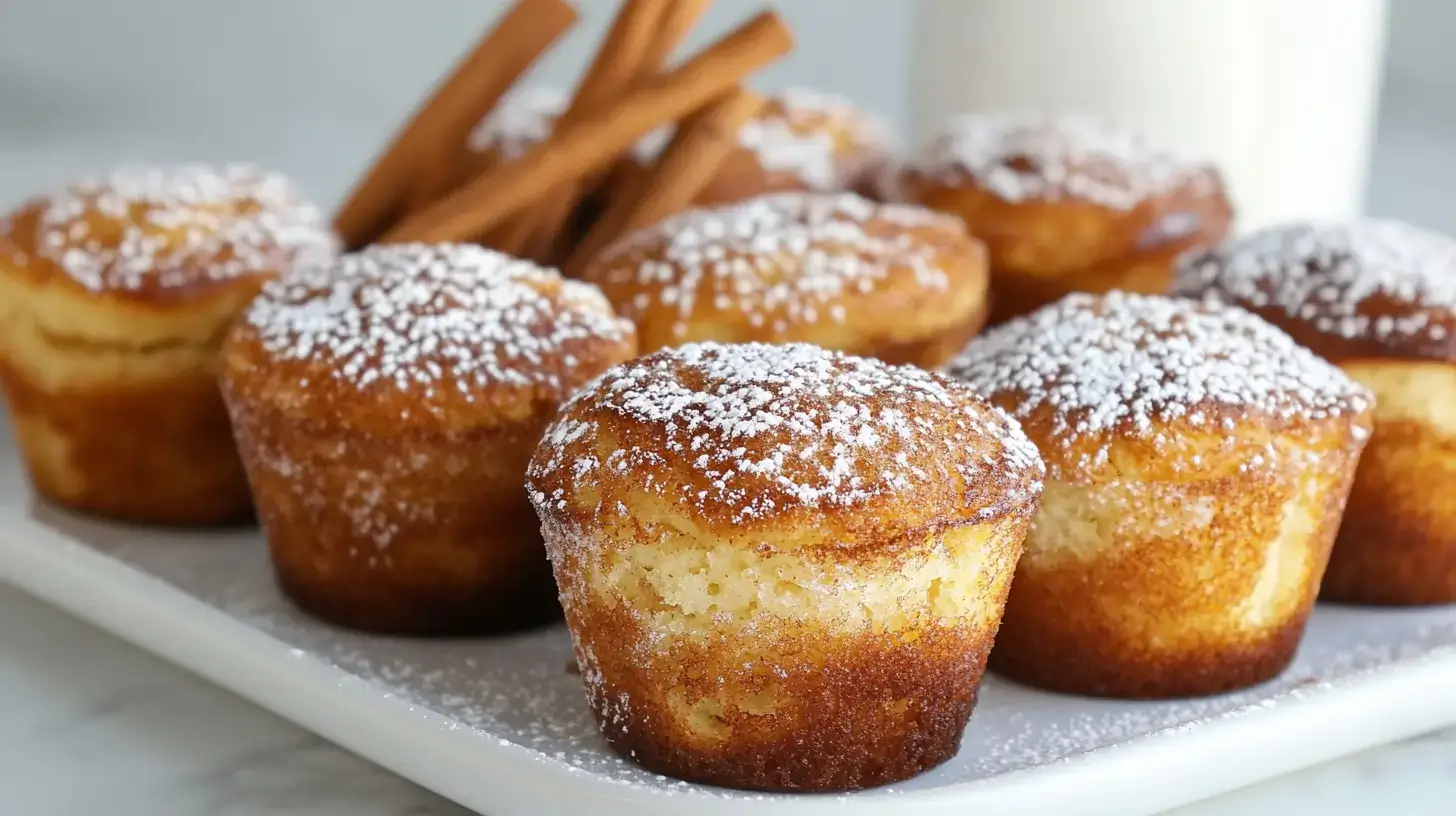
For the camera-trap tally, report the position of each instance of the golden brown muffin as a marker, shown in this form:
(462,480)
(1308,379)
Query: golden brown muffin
(802,140)
(520,122)
(114,296)
(385,408)
(1377,298)
(892,281)
(1068,204)
(782,567)
(1198,461)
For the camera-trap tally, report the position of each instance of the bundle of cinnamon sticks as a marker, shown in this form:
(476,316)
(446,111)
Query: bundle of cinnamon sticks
(524,206)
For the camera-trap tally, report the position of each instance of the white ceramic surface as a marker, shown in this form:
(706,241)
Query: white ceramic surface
(500,726)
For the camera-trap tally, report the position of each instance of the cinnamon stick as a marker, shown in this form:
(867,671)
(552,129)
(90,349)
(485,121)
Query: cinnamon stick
(475,85)
(678,19)
(590,144)
(612,70)
(684,169)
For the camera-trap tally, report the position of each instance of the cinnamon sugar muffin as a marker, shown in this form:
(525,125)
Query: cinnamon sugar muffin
(522,120)
(1068,204)
(385,408)
(114,296)
(1377,298)
(1198,461)
(896,282)
(782,567)
(802,140)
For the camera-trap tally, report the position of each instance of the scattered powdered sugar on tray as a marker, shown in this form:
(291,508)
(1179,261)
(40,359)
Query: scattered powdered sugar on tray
(1327,274)
(521,120)
(779,259)
(765,429)
(433,315)
(821,139)
(1124,361)
(1021,156)
(514,693)
(176,226)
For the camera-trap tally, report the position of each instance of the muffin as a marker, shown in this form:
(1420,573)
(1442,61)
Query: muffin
(521,121)
(896,282)
(1198,461)
(115,293)
(386,406)
(802,140)
(1068,204)
(782,567)
(1378,298)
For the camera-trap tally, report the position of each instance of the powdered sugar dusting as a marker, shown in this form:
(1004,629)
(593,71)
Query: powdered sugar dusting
(509,698)
(821,139)
(1327,274)
(781,259)
(430,316)
(177,226)
(521,120)
(1129,361)
(1022,156)
(766,429)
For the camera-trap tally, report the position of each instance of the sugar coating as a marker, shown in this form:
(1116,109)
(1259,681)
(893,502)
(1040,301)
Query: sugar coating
(1130,362)
(800,133)
(1327,274)
(768,429)
(779,259)
(515,698)
(424,316)
(519,122)
(142,226)
(1022,156)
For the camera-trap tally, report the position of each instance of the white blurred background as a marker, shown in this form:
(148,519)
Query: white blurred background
(313,86)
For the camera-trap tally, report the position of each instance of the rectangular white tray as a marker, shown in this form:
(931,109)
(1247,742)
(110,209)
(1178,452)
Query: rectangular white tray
(501,726)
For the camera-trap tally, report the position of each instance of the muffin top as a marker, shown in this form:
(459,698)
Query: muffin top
(821,140)
(1370,286)
(772,267)
(743,438)
(1024,157)
(449,334)
(1091,370)
(519,122)
(167,233)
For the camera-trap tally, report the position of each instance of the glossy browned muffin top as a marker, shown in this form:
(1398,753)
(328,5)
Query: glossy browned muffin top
(1366,287)
(446,333)
(779,264)
(736,437)
(165,234)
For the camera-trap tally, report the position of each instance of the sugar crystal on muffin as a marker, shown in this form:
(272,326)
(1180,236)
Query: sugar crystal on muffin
(742,533)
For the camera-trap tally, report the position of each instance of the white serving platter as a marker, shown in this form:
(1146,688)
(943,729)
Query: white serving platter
(501,726)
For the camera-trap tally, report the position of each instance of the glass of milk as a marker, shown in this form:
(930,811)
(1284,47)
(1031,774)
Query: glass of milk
(1282,93)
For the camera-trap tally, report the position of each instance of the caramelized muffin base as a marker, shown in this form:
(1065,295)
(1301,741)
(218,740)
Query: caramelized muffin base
(732,678)
(1097,661)
(820,713)
(932,351)
(421,533)
(1152,589)
(1018,292)
(1397,545)
(147,451)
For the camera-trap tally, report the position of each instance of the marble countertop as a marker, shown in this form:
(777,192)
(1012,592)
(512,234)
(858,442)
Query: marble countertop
(89,724)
